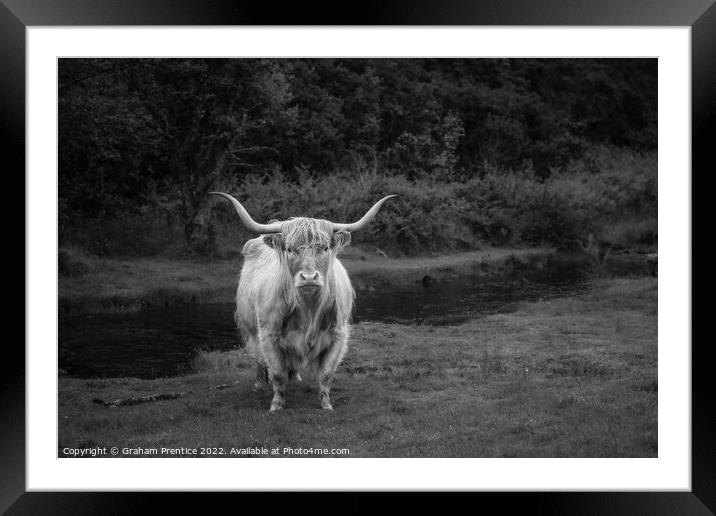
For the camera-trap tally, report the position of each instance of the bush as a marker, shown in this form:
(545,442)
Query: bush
(611,194)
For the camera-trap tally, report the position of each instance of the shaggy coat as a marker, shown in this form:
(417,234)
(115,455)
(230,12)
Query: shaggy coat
(294,303)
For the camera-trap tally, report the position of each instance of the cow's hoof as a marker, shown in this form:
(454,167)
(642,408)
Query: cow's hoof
(325,400)
(277,404)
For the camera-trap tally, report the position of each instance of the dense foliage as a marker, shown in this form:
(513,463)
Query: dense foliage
(481,150)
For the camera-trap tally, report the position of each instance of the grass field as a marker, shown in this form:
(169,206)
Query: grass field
(571,377)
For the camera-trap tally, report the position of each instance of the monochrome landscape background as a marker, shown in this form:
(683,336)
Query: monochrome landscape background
(506,299)
(481,151)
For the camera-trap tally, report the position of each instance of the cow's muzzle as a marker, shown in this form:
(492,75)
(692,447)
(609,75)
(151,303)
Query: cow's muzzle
(308,281)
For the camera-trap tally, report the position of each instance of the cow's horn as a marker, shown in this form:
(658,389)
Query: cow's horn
(363,222)
(246,218)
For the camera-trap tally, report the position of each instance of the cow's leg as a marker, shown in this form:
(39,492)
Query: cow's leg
(277,368)
(253,345)
(324,390)
(261,376)
(328,366)
(278,381)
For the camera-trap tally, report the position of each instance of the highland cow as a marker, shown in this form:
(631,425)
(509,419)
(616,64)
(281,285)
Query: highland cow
(294,299)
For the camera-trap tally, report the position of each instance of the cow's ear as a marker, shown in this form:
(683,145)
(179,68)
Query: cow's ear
(274,240)
(340,240)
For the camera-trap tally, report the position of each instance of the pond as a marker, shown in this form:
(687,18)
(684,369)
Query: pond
(162,341)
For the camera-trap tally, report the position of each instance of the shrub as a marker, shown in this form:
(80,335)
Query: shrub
(612,194)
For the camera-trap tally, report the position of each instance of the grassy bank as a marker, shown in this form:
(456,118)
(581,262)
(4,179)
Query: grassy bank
(571,377)
(91,284)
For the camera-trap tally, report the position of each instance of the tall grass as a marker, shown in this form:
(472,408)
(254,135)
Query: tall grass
(610,193)
(212,361)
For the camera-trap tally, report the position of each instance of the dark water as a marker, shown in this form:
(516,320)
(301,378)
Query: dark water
(161,342)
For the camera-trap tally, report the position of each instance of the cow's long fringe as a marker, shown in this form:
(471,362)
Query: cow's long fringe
(305,232)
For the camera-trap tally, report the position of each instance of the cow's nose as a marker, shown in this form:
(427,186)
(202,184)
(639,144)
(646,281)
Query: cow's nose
(309,276)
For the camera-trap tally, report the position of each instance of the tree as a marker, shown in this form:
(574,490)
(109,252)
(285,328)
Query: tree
(137,135)
(203,111)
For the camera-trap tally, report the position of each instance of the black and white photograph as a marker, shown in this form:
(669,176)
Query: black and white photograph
(357,257)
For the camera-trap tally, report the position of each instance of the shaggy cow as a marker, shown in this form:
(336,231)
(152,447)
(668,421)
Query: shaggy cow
(294,300)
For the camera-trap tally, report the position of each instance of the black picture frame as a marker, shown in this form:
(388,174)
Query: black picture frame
(17,15)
